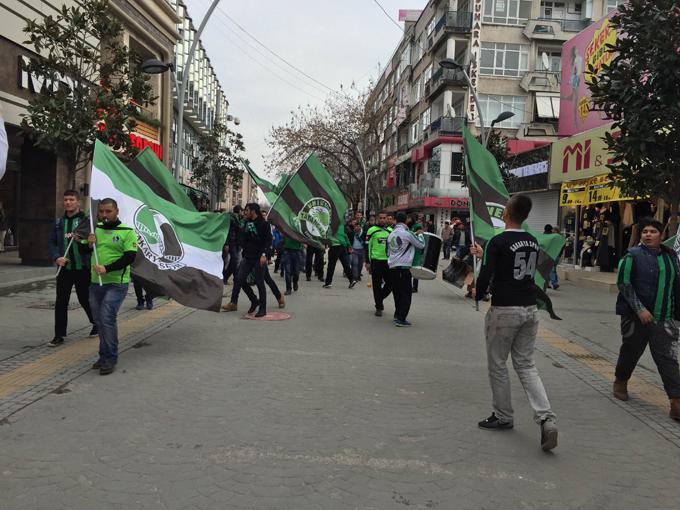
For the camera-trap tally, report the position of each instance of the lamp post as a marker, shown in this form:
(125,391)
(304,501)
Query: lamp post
(449,63)
(156,67)
(363,168)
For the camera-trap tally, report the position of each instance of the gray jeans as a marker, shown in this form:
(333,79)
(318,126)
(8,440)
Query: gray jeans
(511,330)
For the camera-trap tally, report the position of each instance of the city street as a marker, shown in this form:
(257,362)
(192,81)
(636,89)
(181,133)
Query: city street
(333,408)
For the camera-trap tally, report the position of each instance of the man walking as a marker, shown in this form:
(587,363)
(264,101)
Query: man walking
(292,259)
(649,305)
(256,239)
(401,246)
(233,246)
(64,245)
(357,240)
(377,262)
(314,262)
(116,247)
(447,234)
(509,264)
(338,251)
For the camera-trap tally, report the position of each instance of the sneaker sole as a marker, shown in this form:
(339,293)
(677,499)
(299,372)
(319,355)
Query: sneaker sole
(550,440)
(493,429)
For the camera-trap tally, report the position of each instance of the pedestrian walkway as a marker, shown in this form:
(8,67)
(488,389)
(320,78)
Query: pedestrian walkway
(13,273)
(336,408)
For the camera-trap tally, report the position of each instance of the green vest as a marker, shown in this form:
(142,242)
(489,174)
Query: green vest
(111,244)
(291,244)
(377,242)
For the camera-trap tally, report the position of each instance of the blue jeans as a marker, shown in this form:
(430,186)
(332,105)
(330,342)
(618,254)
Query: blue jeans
(553,276)
(105,301)
(291,266)
(357,263)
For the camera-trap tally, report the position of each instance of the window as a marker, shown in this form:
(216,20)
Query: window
(493,105)
(415,135)
(507,12)
(612,4)
(425,120)
(553,10)
(456,166)
(435,161)
(501,59)
(554,59)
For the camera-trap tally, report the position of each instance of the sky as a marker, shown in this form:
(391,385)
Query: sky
(335,42)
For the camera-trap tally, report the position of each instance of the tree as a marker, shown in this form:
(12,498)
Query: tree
(638,90)
(337,132)
(90,88)
(218,163)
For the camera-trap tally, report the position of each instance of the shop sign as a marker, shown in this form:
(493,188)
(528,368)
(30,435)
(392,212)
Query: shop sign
(38,84)
(595,190)
(581,156)
(588,48)
(402,199)
(459,203)
(142,143)
(475,51)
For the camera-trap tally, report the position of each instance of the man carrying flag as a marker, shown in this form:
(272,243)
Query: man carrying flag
(115,247)
(511,323)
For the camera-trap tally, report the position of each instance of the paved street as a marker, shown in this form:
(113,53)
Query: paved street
(334,408)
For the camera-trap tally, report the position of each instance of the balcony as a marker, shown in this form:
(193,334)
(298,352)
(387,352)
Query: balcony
(444,126)
(541,81)
(459,22)
(444,77)
(553,29)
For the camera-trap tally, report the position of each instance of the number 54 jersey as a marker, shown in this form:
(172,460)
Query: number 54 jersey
(509,265)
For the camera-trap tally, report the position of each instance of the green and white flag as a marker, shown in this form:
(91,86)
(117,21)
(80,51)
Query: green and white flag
(152,172)
(308,207)
(180,251)
(488,196)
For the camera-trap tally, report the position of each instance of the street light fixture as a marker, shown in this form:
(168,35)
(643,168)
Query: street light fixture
(155,66)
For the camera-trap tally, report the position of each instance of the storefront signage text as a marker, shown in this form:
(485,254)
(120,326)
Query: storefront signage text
(581,156)
(142,143)
(596,190)
(37,84)
(475,50)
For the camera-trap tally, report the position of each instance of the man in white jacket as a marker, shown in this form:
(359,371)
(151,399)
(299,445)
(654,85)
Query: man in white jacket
(401,247)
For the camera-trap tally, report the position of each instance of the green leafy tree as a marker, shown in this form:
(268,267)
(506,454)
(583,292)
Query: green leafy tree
(638,90)
(218,163)
(90,87)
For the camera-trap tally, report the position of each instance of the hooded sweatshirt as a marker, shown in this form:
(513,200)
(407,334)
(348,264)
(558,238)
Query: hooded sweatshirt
(401,246)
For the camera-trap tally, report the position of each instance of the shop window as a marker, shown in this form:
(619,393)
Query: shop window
(456,166)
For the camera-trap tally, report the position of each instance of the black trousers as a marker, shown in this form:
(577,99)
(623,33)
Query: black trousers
(336,253)
(245,267)
(380,281)
(234,261)
(317,266)
(663,344)
(400,278)
(447,249)
(271,283)
(139,291)
(65,282)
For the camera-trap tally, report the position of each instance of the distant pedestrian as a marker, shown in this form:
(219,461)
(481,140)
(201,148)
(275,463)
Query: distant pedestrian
(447,238)
(65,246)
(509,265)
(649,305)
(357,239)
(338,251)
(314,262)
(142,300)
(116,247)
(401,246)
(233,247)
(377,262)
(548,229)
(292,260)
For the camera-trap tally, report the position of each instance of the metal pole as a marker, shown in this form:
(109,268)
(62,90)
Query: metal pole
(182,89)
(363,167)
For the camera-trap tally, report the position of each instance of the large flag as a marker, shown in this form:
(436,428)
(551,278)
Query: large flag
(180,251)
(488,196)
(152,172)
(308,206)
(271,191)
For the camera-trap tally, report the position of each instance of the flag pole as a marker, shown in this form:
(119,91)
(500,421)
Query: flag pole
(94,245)
(472,232)
(68,247)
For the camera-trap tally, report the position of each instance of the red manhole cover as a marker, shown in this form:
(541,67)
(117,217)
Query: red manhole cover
(271,316)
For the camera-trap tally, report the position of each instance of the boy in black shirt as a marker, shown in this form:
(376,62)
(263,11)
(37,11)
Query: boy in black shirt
(511,324)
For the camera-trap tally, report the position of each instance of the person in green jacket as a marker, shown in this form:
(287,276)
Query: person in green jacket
(115,247)
(376,263)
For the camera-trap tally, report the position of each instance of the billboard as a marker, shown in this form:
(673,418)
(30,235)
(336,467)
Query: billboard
(585,49)
(580,156)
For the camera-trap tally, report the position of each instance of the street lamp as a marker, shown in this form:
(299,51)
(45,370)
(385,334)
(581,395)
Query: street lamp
(449,63)
(154,66)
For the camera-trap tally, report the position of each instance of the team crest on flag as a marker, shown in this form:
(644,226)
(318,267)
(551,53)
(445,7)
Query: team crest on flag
(158,239)
(314,219)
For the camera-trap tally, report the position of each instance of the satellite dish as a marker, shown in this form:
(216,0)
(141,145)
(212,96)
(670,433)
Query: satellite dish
(545,61)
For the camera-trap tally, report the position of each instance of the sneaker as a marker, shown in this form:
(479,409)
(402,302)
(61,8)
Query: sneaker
(149,304)
(556,286)
(401,324)
(230,307)
(352,284)
(261,313)
(106,368)
(94,331)
(415,291)
(56,341)
(253,306)
(140,306)
(320,278)
(282,302)
(548,435)
(378,313)
(493,423)
(97,364)
(295,287)
(288,292)
(328,286)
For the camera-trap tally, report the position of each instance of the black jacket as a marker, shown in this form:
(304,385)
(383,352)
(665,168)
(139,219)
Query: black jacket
(255,238)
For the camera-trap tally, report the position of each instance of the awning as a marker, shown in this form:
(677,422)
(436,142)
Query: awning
(548,105)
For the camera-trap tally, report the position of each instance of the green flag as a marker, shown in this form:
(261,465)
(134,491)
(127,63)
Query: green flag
(180,251)
(309,207)
(674,242)
(488,196)
(152,172)
(270,190)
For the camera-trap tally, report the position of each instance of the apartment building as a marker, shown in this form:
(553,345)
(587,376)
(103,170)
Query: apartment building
(512,52)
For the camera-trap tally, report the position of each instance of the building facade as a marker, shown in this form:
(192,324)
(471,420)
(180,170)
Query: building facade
(513,54)
(31,191)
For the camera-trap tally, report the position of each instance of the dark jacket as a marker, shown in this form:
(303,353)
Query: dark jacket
(255,238)
(55,242)
(643,277)
(234,228)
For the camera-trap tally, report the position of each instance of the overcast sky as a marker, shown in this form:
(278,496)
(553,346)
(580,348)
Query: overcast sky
(335,42)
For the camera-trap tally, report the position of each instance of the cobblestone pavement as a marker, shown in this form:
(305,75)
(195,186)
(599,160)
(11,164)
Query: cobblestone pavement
(336,408)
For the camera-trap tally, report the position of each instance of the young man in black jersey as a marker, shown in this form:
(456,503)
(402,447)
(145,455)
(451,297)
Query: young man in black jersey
(508,264)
